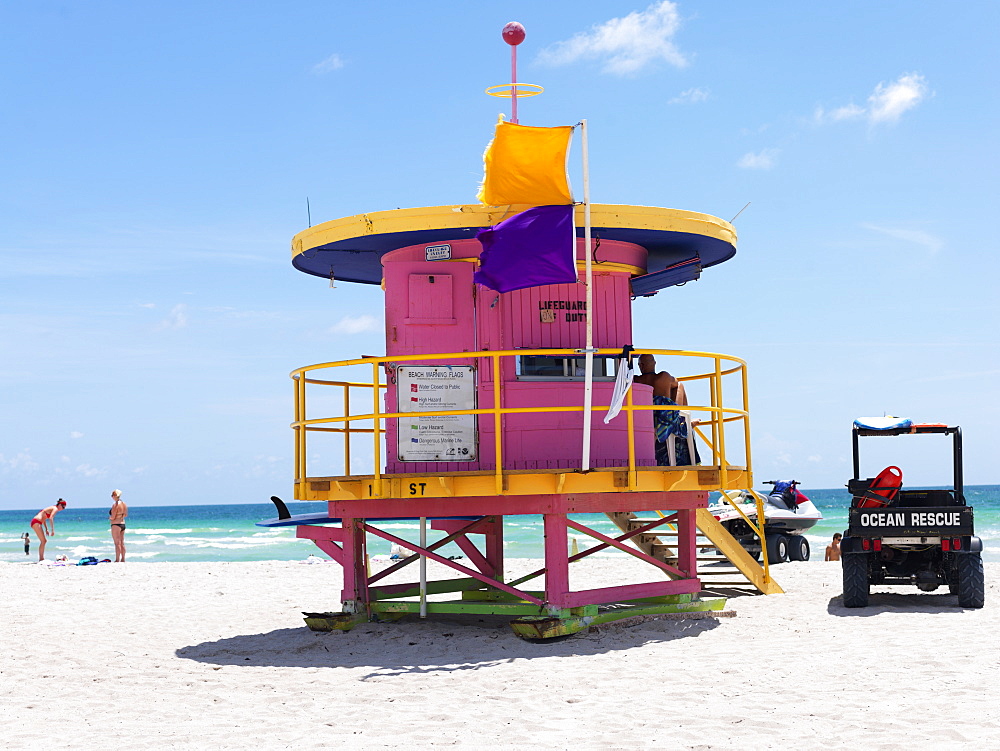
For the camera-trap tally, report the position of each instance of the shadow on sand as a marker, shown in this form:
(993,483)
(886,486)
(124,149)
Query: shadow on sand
(893,602)
(439,643)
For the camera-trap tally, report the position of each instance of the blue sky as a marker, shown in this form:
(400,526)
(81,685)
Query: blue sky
(157,158)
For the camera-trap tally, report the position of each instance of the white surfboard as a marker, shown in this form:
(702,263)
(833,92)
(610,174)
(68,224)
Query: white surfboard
(886,422)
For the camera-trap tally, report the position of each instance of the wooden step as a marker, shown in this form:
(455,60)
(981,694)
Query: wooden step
(661,543)
(722,572)
(734,584)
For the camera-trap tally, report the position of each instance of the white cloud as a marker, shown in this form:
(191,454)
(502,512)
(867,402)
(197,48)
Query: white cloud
(626,45)
(763,159)
(691,96)
(356,325)
(147,305)
(886,104)
(20,462)
(847,112)
(76,434)
(176,320)
(87,471)
(332,63)
(926,240)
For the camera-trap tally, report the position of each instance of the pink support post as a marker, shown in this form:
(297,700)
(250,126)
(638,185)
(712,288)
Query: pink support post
(355,571)
(513,81)
(494,546)
(686,549)
(556,561)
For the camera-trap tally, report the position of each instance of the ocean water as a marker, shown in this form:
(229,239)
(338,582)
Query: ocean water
(227,532)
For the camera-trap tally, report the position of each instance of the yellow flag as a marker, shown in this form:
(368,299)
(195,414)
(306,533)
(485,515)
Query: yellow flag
(527,165)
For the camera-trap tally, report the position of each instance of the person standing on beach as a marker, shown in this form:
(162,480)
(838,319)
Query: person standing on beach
(43,523)
(117,515)
(26,538)
(833,549)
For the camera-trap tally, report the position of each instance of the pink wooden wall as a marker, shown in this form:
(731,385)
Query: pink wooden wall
(434,306)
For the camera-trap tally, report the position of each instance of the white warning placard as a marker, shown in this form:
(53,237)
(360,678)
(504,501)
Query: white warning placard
(436,388)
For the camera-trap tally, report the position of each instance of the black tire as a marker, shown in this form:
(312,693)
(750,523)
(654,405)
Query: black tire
(777,548)
(855,568)
(798,548)
(971,581)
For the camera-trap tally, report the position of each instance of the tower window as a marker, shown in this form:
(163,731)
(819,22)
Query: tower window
(557,368)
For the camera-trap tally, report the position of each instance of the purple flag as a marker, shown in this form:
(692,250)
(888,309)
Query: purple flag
(535,247)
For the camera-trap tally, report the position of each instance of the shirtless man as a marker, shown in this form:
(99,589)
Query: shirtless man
(663,383)
(833,549)
(118,512)
(667,391)
(43,523)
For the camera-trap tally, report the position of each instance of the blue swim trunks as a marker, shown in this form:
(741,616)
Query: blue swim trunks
(670,422)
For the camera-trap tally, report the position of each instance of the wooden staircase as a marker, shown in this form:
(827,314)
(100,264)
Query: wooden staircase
(722,561)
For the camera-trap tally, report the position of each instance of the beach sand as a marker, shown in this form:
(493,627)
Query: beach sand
(215,655)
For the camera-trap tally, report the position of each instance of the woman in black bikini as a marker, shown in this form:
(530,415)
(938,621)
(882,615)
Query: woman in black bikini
(42,523)
(117,515)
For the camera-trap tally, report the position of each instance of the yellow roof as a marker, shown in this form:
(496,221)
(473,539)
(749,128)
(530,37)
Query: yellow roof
(352,247)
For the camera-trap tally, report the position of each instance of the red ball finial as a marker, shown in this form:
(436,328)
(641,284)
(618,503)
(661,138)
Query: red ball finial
(513,33)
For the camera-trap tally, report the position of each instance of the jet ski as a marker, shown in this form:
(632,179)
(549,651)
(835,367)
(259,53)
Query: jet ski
(788,513)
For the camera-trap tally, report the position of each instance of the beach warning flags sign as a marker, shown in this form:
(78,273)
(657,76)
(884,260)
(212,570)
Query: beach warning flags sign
(527,165)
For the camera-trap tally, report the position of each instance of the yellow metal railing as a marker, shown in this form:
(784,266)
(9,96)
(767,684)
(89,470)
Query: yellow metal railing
(714,416)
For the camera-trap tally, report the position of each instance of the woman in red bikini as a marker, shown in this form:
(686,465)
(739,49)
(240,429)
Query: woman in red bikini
(117,516)
(42,523)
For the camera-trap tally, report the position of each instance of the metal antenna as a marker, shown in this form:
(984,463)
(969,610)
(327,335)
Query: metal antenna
(309,212)
(739,212)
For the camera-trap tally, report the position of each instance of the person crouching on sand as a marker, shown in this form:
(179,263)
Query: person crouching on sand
(43,522)
(833,549)
(117,514)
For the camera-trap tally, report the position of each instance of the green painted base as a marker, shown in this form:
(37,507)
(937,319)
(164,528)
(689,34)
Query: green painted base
(490,607)
(532,622)
(539,628)
(333,621)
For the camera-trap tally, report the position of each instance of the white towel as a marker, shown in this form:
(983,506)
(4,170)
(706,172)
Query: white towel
(623,382)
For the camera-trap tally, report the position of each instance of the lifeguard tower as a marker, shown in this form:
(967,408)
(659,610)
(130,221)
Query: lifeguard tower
(476,414)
